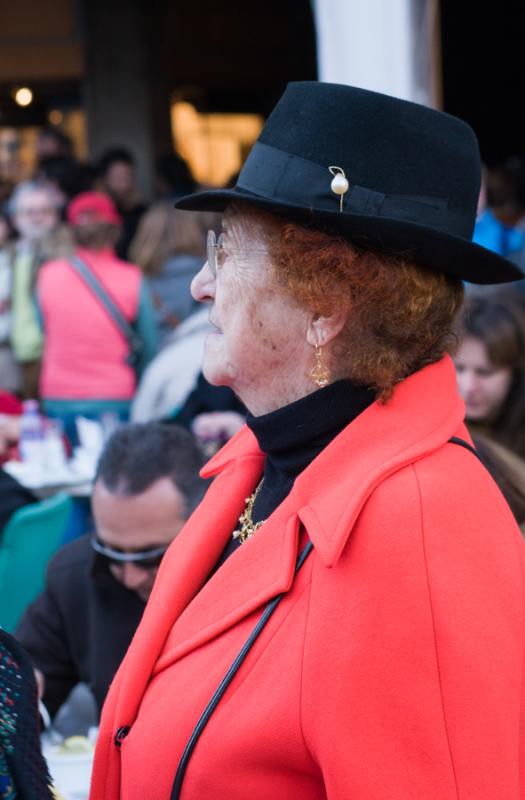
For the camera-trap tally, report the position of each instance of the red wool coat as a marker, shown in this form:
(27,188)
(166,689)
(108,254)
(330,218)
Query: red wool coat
(393,667)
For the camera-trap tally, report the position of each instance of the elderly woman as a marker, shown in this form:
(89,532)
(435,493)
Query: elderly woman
(343,615)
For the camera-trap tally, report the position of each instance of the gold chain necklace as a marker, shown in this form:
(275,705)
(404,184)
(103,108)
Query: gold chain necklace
(247,525)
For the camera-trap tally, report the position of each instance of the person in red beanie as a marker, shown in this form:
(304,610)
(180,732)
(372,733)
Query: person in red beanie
(97,319)
(10,411)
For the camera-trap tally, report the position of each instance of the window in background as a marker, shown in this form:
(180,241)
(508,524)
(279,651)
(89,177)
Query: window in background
(215,145)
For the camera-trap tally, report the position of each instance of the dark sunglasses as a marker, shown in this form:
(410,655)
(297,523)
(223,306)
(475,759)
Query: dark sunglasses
(145,559)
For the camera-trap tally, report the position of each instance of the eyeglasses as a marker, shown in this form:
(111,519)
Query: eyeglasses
(214,247)
(35,211)
(215,251)
(144,559)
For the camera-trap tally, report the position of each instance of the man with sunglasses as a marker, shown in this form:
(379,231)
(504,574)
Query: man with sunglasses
(96,588)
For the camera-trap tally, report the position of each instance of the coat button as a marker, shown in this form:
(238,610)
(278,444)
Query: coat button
(120,735)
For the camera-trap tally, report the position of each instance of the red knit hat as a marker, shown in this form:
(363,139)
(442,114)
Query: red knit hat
(93,205)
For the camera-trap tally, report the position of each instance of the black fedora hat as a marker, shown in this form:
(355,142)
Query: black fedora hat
(387,174)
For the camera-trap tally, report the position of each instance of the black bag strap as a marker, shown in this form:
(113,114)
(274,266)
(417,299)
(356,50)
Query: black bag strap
(113,311)
(231,673)
(466,445)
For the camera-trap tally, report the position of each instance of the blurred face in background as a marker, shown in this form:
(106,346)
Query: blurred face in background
(50,144)
(119,182)
(35,215)
(483,386)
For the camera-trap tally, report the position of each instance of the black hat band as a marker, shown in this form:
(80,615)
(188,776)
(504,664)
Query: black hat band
(272,174)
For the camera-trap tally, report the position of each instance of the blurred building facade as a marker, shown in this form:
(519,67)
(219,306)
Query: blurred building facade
(151,74)
(148,75)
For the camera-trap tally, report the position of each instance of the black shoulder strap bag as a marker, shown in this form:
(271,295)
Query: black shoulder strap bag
(115,314)
(237,663)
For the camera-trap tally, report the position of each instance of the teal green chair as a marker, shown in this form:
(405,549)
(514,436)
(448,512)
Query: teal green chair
(28,541)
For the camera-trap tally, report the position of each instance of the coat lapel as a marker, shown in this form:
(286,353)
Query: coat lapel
(257,571)
(184,570)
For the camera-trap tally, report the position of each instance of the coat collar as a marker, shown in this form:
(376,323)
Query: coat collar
(423,414)
(254,574)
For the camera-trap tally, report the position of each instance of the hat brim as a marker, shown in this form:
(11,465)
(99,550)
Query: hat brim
(424,245)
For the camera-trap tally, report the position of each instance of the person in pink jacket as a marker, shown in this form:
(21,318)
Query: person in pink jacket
(343,616)
(87,367)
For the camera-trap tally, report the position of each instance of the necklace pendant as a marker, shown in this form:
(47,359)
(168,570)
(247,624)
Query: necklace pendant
(247,525)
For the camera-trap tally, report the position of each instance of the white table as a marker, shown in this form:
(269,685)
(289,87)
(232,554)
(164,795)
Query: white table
(44,482)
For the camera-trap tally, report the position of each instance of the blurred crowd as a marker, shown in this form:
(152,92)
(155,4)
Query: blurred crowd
(97,317)
(96,314)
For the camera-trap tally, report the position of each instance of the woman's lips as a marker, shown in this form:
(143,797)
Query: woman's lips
(475,408)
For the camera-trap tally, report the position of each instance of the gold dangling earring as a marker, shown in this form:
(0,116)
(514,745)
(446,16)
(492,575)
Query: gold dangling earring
(320,374)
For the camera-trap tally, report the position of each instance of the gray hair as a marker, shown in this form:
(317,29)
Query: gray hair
(29,187)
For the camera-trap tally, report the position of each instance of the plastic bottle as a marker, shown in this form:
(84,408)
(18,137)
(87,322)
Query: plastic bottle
(30,445)
(54,451)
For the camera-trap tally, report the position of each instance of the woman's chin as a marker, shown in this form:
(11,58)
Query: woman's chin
(476,414)
(214,372)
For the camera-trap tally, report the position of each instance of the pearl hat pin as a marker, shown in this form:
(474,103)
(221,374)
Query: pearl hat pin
(339,183)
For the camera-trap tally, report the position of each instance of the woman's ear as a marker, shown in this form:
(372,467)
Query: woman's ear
(323,329)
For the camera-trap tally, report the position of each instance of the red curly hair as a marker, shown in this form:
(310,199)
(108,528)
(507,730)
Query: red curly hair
(400,315)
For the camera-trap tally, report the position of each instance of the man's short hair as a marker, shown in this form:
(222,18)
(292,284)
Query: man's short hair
(137,455)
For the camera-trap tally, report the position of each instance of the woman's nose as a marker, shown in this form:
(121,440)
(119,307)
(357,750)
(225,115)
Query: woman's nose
(468,382)
(203,285)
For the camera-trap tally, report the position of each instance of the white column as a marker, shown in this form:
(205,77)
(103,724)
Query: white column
(388,46)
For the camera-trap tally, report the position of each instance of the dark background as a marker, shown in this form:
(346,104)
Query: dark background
(235,55)
(483,56)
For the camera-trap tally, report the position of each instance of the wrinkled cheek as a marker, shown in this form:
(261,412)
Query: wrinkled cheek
(268,340)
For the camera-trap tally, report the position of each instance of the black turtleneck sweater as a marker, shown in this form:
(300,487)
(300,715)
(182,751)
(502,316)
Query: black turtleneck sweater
(292,436)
